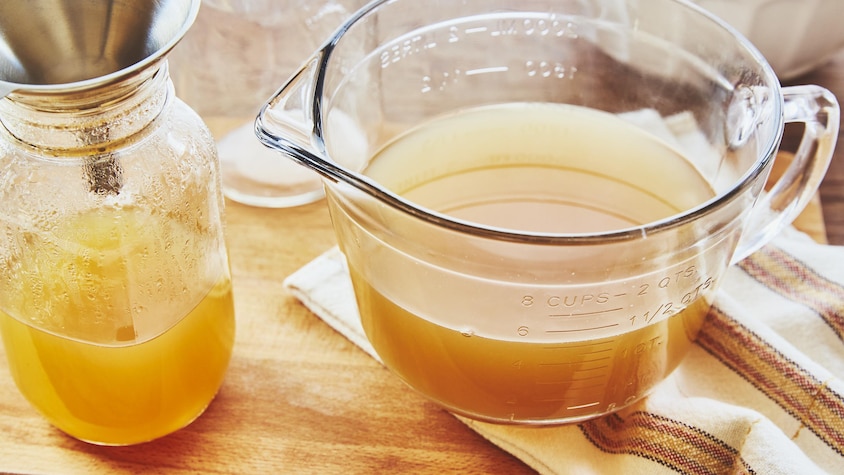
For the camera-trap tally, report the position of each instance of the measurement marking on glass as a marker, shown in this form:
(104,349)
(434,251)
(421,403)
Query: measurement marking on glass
(585,345)
(570,389)
(572,363)
(480,29)
(570,408)
(495,69)
(600,385)
(559,399)
(583,329)
(589,378)
(584,314)
(571,380)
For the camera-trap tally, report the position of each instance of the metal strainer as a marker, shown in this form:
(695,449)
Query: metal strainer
(62,45)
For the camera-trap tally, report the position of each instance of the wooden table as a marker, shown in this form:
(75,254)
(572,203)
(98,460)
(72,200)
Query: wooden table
(299,398)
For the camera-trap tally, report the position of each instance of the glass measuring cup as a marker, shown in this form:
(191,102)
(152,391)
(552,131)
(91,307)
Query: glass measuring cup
(537,200)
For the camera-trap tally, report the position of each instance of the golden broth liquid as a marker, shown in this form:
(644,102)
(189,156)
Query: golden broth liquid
(537,167)
(84,353)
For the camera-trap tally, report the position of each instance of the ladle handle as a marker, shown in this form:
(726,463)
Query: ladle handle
(818,109)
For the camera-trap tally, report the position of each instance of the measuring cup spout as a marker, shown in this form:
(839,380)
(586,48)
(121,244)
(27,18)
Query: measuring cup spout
(289,121)
(292,123)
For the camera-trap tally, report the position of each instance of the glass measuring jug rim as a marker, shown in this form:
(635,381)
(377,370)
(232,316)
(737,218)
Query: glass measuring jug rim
(190,13)
(340,175)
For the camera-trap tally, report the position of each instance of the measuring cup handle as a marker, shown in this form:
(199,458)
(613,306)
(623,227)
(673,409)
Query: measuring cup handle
(818,109)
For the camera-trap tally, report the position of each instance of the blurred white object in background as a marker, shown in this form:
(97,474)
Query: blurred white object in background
(795,36)
(237,53)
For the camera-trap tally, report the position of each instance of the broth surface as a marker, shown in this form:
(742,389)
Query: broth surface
(543,168)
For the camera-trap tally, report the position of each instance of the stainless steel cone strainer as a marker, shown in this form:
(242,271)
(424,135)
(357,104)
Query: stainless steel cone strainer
(61,45)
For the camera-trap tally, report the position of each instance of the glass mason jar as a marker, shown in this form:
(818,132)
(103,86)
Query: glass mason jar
(116,303)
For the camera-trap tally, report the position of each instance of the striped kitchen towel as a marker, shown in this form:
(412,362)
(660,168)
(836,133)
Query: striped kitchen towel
(761,391)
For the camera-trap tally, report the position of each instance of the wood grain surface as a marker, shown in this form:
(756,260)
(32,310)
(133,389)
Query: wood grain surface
(299,398)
